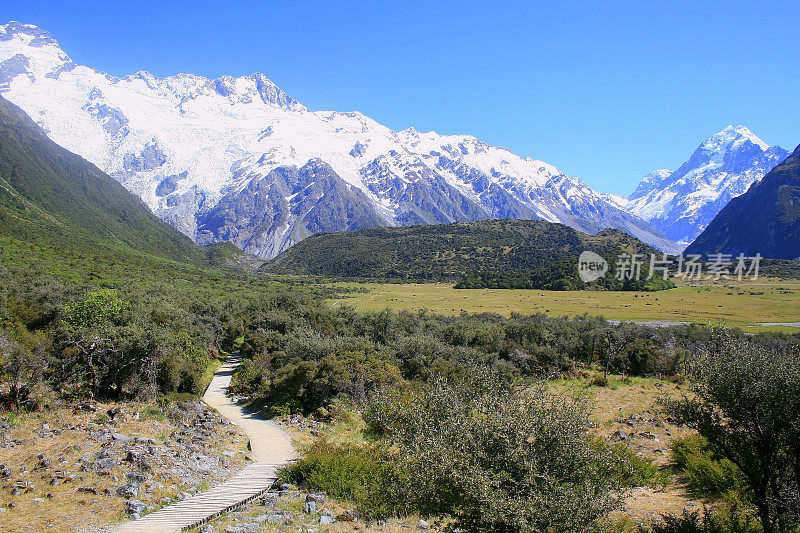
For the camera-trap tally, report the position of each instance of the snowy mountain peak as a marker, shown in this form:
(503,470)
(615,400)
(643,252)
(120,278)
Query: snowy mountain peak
(28,33)
(731,138)
(650,182)
(237,159)
(26,49)
(724,166)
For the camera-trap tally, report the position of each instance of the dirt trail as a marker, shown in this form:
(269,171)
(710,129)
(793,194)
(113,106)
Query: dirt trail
(268,442)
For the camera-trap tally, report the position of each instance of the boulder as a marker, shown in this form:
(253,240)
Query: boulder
(130,490)
(316,497)
(135,507)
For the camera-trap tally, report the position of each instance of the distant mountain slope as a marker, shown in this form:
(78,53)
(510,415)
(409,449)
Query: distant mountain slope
(47,192)
(682,203)
(765,220)
(237,159)
(448,251)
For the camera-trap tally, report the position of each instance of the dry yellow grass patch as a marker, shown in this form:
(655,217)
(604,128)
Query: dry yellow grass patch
(64,508)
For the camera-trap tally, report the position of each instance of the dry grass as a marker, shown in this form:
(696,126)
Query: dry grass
(70,510)
(631,405)
(733,304)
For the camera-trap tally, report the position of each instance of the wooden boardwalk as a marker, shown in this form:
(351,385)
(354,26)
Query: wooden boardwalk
(251,482)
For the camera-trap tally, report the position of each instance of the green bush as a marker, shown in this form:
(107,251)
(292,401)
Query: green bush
(722,519)
(709,475)
(96,308)
(747,406)
(367,476)
(632,470)
(498,458)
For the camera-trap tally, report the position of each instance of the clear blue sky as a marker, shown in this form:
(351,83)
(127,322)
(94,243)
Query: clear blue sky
(606,91)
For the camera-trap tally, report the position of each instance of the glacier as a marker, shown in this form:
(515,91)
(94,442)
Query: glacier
(236,159)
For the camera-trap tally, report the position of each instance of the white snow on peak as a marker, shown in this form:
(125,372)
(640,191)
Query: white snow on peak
(731,138)
(210,137)
(682,203)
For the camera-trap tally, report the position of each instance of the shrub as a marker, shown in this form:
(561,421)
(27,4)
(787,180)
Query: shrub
(708,473)
(368,476)
(747,405)
(496,457)
(723,519)
(96,308)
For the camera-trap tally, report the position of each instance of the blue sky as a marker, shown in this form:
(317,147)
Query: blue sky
(606,91)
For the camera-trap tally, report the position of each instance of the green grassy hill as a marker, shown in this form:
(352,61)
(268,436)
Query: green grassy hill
(51,196)
(489,253)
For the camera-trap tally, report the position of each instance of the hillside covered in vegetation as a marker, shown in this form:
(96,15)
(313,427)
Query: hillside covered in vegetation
(483,254)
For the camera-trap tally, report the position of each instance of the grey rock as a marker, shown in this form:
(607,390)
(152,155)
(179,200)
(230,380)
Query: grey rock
(316,497)
(135,506)
(106,463)
(136,476)
(123,439)
(130,490)
(269,499)
(620,435)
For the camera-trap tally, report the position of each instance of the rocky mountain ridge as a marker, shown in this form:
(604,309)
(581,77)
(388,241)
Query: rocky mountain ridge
(236,159)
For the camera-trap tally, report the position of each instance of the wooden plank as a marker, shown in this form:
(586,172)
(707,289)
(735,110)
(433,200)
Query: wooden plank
(252,481)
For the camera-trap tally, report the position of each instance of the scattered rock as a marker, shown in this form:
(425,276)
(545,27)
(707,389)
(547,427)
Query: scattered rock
(317,498)
(105,464)
(280,518)
(136,476)
(620,435)
(269,499)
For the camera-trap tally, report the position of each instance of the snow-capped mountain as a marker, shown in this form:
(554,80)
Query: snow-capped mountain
(682,203)
(236,159)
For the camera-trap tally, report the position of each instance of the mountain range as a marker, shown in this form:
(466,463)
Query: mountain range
(236,159)
(53,197)
(683,202)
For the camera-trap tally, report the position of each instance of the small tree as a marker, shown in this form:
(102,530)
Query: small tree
(21,366)
(747,404)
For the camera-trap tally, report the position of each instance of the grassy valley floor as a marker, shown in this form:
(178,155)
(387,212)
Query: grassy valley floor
(733,304)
